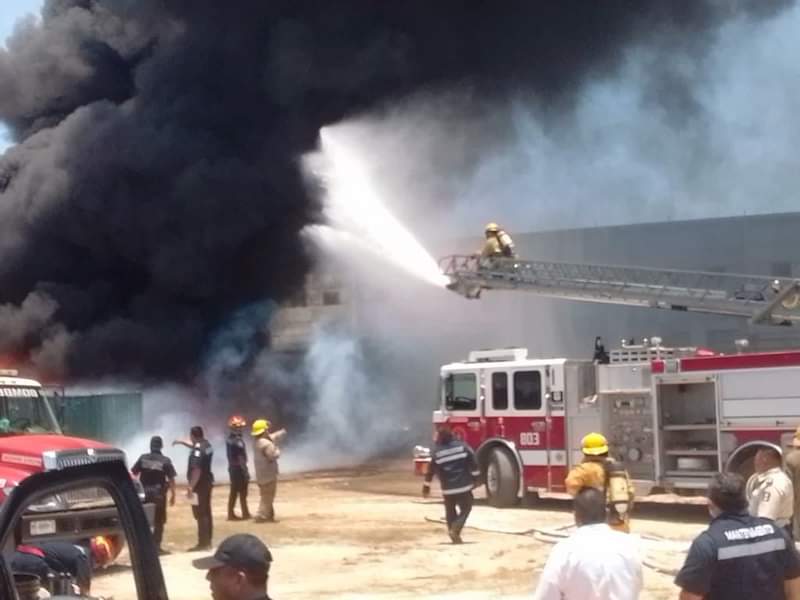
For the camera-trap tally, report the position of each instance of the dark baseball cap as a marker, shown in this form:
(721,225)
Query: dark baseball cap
(242,551)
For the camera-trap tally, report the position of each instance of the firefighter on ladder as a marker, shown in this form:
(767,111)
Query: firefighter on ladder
(498,243)
(600,472)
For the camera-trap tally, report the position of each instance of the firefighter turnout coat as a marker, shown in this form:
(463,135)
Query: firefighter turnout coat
(592,473)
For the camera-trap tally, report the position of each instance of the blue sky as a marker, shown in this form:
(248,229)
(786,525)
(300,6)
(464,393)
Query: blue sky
(10,12)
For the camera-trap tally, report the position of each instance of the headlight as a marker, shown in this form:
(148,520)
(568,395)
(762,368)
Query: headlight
(49,504)
(422,452)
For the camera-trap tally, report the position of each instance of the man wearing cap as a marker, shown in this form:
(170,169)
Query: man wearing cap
(239,569)
(792,462)
(156,474)
(265,457)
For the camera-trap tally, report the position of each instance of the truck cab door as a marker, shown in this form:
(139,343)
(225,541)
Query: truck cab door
(498,407)
(102,481)
(528,425)
(463,404)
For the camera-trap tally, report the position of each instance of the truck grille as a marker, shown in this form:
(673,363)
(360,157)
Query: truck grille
(76,458)
(90,495)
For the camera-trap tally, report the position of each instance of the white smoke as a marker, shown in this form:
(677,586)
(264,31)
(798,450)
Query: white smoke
(672,134)
(171,411)
(357,214)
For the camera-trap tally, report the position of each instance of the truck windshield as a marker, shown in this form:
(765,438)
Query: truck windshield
(25,410)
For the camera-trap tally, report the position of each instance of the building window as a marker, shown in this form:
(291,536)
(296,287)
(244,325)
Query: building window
(527,390)
(331,298)
(499,391)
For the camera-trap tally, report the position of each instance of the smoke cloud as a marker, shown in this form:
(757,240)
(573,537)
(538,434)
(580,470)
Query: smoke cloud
(685,127)
(155,189)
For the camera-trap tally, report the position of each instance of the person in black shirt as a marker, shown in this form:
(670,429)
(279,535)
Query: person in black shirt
(54,558)
(239,569)
(454,463)
(201,482)
(237,468)
(739,557)
(156,473)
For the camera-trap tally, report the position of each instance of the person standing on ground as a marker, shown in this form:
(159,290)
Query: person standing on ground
(453,462)
(237,467)
(157,475)
(792,461)
(239,569)
(595,562)
(265,457)
(770,493)
(201,482)
(739,556)
(600,472)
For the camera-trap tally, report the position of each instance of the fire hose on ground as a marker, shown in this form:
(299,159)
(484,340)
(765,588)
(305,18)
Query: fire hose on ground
(554,535)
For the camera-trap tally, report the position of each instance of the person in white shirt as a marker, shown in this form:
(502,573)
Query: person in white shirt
(595,562)
(770,493)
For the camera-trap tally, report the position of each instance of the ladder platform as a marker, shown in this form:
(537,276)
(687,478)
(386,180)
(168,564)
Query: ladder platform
(760,299)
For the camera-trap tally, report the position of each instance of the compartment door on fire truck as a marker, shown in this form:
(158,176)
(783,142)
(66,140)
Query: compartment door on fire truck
(462,401)
(527,423)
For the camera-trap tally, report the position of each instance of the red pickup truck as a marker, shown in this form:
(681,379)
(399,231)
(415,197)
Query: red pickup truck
(31,442)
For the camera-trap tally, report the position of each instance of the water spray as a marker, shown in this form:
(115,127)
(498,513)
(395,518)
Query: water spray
(357,216)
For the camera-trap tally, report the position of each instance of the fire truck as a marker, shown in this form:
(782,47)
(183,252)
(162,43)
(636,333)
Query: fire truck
(673,416)
(31,441)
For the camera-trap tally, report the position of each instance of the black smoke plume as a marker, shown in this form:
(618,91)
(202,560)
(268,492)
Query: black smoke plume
(155,188)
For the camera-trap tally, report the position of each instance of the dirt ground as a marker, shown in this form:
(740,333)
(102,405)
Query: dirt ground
(366,533)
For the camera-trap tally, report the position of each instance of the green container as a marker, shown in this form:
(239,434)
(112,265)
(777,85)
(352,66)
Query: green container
(109,418)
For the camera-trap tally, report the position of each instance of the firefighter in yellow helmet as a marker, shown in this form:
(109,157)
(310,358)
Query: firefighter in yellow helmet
(265,458)
(498,243)
(600,472)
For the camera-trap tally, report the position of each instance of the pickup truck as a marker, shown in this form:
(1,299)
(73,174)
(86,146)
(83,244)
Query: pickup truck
(31,442)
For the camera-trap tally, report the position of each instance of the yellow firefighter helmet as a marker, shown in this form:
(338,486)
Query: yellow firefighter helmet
(492,228)
(259,427)
(594,444)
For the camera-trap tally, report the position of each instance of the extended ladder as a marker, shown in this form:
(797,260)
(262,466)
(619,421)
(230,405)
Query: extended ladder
(772,300)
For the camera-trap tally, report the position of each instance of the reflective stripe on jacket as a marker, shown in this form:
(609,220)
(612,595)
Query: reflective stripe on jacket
(455,465)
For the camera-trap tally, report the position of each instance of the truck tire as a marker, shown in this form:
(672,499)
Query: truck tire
(502,479)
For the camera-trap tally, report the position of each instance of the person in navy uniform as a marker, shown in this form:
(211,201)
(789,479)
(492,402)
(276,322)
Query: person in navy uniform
(237,467)
(739,556)
(201,482)
(157,475)
(45,559)
(453,462)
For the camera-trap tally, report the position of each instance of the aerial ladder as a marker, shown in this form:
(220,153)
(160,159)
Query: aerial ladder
(760,299)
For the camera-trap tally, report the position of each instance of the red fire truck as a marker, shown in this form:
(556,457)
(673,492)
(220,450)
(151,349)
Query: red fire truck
(673,416)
